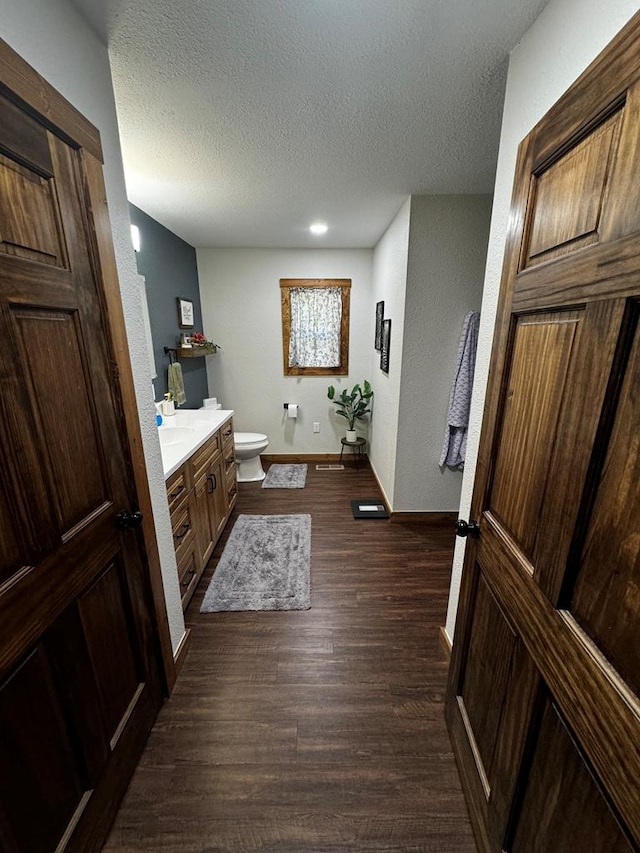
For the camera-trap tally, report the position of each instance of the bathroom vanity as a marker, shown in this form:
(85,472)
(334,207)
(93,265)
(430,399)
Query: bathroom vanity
(200,473)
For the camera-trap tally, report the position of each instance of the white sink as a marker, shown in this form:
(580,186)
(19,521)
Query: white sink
(170,435)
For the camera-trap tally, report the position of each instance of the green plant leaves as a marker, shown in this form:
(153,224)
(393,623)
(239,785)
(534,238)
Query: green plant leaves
(352,405)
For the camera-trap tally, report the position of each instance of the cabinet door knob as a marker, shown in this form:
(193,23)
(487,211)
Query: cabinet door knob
(212,482)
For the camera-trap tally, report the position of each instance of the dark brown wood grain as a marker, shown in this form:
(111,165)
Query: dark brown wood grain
(556,493)
(312,730)
(569,195)
(605,598)
(79,674)
(557,772)
(18,80)
(105,263)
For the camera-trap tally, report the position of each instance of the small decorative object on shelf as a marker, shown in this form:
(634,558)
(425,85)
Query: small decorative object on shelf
(199,341)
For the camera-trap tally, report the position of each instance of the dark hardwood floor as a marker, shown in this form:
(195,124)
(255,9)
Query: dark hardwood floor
(319,730)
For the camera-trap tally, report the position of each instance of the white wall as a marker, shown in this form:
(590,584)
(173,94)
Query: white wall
(390,259)
(447,253)
(562,42)
(240,296)
(53,38)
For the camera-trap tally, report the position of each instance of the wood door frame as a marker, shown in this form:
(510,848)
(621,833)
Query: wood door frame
(23,84)
(581,107)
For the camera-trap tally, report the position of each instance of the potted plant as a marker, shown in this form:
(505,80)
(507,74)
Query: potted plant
(352,405)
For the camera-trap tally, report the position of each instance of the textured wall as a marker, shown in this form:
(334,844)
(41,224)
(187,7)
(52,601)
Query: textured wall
(240,296)
(170,269)
(447,253)
(566,37)
(53,38)
(389,284)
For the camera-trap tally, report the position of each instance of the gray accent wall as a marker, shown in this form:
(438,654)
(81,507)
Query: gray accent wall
(169,267)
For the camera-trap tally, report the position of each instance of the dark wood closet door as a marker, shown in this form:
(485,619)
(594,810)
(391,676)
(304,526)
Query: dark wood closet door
(543,701)
(79,680)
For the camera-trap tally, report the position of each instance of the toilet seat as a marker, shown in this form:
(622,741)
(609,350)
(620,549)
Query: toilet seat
(249,440)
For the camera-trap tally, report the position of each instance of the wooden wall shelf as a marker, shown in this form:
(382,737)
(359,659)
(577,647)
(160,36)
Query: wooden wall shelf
(188,352)
(193,352)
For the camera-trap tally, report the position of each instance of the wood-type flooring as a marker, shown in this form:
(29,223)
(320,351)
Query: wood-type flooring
(312,731)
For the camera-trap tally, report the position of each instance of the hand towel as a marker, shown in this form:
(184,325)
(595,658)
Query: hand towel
(454,450)
(175,384)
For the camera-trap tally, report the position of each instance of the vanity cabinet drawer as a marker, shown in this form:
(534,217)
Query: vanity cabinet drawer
(227,433)
(177,489)
(182,530)
(202,460)
(188,576)
(229,461)
(232,488)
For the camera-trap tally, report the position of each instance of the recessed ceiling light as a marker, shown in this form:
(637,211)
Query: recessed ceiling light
(319,228)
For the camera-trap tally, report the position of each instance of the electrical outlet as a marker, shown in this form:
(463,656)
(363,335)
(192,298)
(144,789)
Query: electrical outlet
(316,426)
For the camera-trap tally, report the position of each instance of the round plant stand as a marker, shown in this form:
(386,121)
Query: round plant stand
(357,448)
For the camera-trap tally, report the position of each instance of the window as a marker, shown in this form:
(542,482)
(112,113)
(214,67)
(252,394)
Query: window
(315,326)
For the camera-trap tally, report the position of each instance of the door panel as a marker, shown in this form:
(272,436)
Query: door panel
(23,193)
(542,703)
(540,363)
(49,782)
(79,669)
(606,593)
(105,622)
(563,810)
(488,665)
(50,346)
(12,552)
(569,196)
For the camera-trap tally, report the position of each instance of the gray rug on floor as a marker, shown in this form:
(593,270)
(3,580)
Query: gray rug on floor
(265,566)
(285,477)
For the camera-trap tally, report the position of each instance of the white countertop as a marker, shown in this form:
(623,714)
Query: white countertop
(192,428)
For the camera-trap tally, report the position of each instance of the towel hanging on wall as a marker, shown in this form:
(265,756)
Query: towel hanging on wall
(175,383)
(454,450)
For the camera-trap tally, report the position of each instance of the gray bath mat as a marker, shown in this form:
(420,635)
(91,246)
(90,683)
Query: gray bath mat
(285,477)
(265,566)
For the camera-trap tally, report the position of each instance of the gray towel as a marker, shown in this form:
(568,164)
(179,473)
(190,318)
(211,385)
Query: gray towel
(175,384)
(454,450)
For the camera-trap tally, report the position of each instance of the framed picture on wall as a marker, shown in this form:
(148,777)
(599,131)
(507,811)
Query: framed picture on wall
(386,344)
(185,313)
(379,318)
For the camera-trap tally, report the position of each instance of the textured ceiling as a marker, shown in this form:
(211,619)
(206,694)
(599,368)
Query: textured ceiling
(242,121)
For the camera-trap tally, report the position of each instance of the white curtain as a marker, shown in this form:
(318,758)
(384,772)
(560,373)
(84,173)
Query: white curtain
(315,326)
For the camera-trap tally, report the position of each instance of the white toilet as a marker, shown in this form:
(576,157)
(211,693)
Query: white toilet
(248,447)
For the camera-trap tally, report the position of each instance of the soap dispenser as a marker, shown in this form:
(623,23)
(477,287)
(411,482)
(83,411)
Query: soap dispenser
(168,406)
(158,413)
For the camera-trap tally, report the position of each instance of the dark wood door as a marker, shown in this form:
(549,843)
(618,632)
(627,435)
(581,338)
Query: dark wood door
(543,699)
(79,675)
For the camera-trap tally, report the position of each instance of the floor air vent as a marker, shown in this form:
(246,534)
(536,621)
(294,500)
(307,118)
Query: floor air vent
(335,467)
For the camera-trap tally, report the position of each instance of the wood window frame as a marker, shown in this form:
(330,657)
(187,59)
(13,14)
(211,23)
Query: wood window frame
(286,284)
